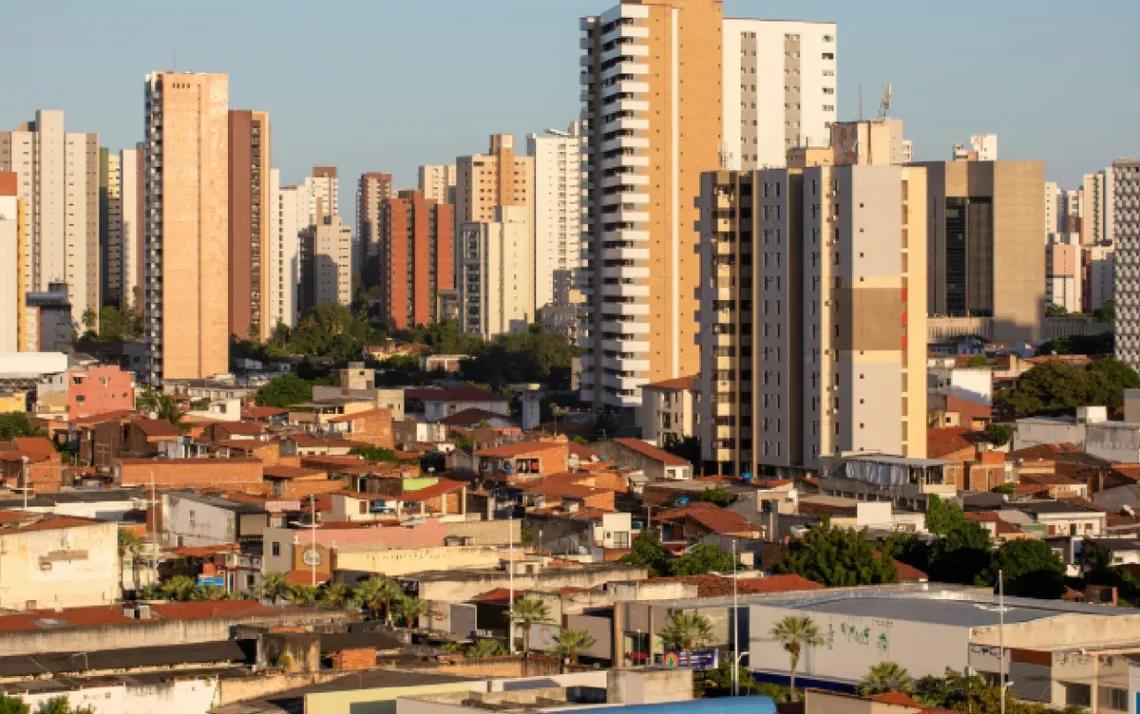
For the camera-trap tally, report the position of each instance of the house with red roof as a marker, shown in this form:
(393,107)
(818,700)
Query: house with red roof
(523,460)
(657,464)
(697,520)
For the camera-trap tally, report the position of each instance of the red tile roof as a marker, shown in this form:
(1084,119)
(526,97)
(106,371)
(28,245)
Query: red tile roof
(204,551)
(896,698)
(441,488)
(499,596)
(262,412)
(212,609)
(305,577)
(943,442)
(23,522)
(290,472)
(43,620)
(244,428)
(583,453)
(35,446)
(648,450)
(721,585)
(104,417)
(715,519)
(681,383)
(471,417)
(345,418)
(154,428)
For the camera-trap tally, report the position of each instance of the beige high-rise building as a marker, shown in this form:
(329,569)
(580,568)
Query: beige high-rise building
(437,183)
(373,190)
(326,263)
(984,256)
(813,316)
(495,269)
(11,267)
(875,142)
(131,226)
(323,186)
(249,224)
(288,218)
(58,177)
(111,225)
(652,120)
(186,235)
(1052,200)
(1096,208)
(486,181)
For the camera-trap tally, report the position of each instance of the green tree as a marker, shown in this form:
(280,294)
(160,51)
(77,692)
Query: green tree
(1055,310)
(942,517)
(796,634)
(16,424)
(688,448)
(179,587)
(377,594)
(284,391)
(952,691)
(838,557)
(375,453)
(335,595)
(13,705)
(274,586)
(718,496)
(1106,313)
(647,551)
(977,362)
(209,593)
(527,612)
(1109,379)
(1058,388)
(686,631)
(886,677)
(1031,569)
(570,642)
(964,554)
(481,649)
(408,610)
(303,594)
(1008,488)
(703,559)
(1000,434)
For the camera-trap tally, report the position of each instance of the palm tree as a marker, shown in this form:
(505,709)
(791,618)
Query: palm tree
(13,705)
(528,611)
(687,631)
(180,587)
(485,648)
(794,634)
(409,610)
(886,677)
(376,593)
(335,595)
(209,591)
(569,642)
(274,586)
(303,594)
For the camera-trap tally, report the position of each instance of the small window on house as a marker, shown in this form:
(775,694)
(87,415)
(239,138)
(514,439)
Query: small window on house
(276,548)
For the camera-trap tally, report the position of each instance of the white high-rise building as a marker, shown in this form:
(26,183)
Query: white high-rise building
(494,265)
(1052,206)
(58,176)
(323,187)
(288,218)
(780,89)
(982,147)
(11,291)
(557,216)
(1126,209)
(438,183)
(1096,208)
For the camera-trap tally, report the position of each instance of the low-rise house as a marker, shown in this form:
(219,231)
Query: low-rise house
(1059,518)
(267,415)
(146,437)
(228,474)
(372,427)
(301,444)
(209,389)
(194,519)
(905,482)
(669,409)
(523,460)
(469,418)
(82,392)
(697,520)
(32,463)
(657,464)
(237,431)
(440,403)
(315,415)
(50,561)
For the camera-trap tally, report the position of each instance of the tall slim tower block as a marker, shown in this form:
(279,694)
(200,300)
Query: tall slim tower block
(250,224)
(373,190)
(652,122)
(186,236)
(557,213)
(1126,209)
(416,259)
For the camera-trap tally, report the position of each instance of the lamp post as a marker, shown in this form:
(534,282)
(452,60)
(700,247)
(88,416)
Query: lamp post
(735,628)
(312,526)
(1001,637)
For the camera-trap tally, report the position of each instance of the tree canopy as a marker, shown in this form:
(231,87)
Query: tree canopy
(284,391)
(1031,569)
(16,424)
(838,557)
(1057,388)
(999,434)
(647,551)
(702,559)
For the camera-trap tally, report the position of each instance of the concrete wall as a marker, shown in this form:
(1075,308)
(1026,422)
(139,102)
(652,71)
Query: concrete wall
(377,701)
(1072,630)
(1116,443)
(467,585)
(853,644)
(649,686)
(63,567)
(189,522)
(186,696)
(404,562)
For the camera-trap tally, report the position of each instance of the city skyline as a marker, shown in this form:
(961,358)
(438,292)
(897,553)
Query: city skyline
(879,46)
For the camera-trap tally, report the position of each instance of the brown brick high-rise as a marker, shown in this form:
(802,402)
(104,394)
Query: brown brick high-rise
(416,259)
(249,221)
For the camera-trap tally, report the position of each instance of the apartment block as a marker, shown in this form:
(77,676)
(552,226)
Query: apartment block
(813,307)
(1097,208)
(875,142)
(1126,207)
(1052,205)
(326,263)
(493,266)
(250,224)
(186,235)
(416,259)
(1063,276)
(1070,209)
(131,227)
(984,256)
(288,217)
(324,192)
(557,212)
(437,183)
(498,178)
(371,193)
(110,225)
(780,89)
(11,267)
(982,147)
(652,121)
(1098,276)
(58,177)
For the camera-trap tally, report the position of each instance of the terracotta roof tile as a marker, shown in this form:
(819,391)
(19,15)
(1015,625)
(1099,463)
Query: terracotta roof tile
(721,585)
(345,418)
(471,417)
(506,451)
(681,383)
(262,412)
(155,428)
(441,488)
(35,445)
(652,452)
(715,519)
(896,698)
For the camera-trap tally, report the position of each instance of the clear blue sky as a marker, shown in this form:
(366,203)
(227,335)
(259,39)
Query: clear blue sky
(386,85)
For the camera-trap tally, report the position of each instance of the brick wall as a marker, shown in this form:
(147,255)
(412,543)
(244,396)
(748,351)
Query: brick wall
(227,474)
(374,429)
(359,658)
(304,489)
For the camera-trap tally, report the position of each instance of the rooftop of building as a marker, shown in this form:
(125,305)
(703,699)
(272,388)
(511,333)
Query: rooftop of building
(688,383)
(471,417)
(649,451)
(1050,507)
(100,616)
(454,394)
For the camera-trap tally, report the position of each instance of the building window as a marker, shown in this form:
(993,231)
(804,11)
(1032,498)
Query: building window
(276,548)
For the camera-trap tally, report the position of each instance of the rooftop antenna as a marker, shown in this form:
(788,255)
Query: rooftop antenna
(885,104)
(860,102)
(174,57)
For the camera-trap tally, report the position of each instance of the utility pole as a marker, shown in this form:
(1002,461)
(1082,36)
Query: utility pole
(153,503)
(312,526)
(511,579)
(735,629)
(1001,638)
(24,485)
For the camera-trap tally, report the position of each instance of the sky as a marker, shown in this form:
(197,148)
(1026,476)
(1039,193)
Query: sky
(387,85)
